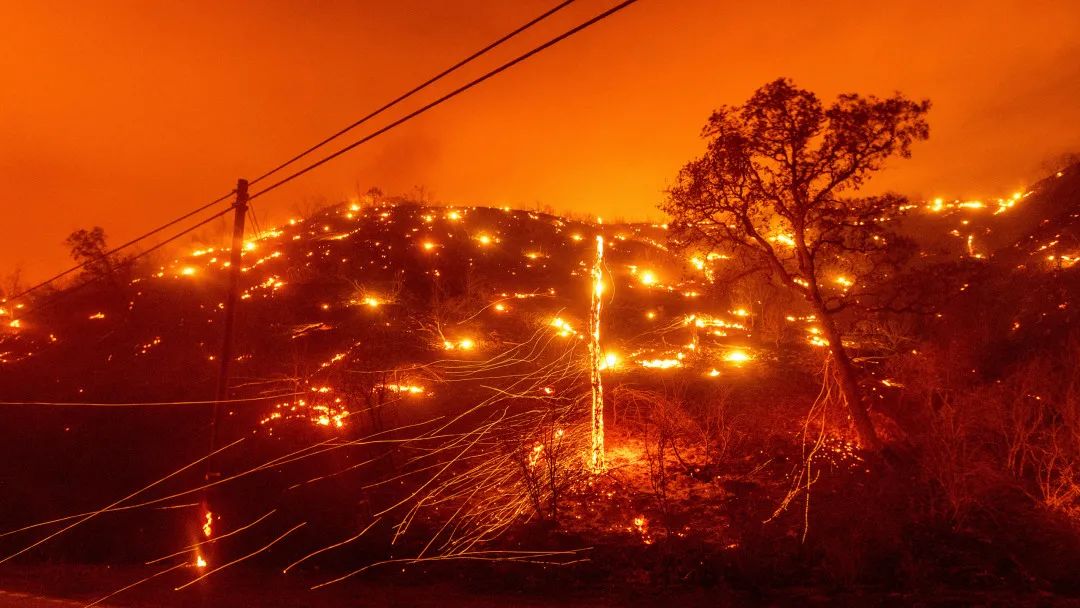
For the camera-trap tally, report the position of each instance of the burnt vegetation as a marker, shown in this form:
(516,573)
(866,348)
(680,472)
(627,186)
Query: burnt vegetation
(806,386)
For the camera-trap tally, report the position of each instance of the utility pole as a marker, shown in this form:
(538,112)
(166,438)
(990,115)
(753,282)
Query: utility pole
(240,207)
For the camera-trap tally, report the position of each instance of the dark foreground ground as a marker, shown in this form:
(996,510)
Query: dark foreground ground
(55,586)
(70,586)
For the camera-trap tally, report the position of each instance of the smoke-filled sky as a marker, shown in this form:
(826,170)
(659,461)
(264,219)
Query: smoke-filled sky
(125,114)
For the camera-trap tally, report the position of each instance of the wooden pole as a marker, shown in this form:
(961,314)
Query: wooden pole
(240,207)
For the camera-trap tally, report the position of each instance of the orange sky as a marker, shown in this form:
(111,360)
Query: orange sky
(123,114)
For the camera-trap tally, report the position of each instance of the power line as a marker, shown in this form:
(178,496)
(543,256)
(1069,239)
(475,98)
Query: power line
(326,159)
(120,247)
(52,298)
(448,96)
(416,89)
(318,145)
(363,120)
(254,223)
(143,404)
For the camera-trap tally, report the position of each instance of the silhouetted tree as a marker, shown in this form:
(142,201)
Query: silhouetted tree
(12,283)
(775,188)
(374,195)
(112,271)
(89,247)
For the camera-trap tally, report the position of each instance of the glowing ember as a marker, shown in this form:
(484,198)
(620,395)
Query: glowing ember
(737,356)
(641,526)
(610,361)
(463,344)
(405,388)
(564,328)
(783,239)
(535,453)
(661,363)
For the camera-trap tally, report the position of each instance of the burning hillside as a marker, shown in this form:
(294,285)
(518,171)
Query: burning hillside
(800,384)
(409,356)
(432,283)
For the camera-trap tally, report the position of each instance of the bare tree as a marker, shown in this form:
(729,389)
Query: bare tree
(12,283)
(374,195)
(90,248)
(775,187)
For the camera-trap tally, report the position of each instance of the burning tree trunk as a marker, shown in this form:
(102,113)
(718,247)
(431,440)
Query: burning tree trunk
(845,372)
(596,460)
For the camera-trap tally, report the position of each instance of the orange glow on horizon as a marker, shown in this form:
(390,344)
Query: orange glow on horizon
(49,52)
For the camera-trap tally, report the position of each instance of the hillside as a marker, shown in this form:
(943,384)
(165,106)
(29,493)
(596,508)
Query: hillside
(410,368)
(1024,223)
(322,292)
(382,286)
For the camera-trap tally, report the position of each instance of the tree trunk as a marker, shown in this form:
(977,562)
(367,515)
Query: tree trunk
(849,387)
